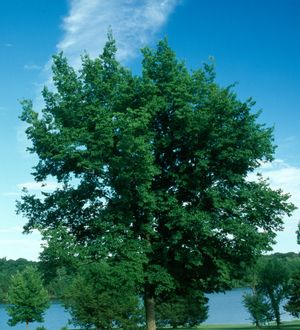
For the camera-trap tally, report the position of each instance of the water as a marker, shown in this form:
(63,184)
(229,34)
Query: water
(55,318)
(223,309)
(228,308)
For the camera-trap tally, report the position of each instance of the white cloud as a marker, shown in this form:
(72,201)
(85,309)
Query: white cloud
(45,186)
(283,176)
(32,67)
(133,22)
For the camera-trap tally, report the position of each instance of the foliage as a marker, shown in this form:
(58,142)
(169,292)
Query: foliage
(102,296)
(7,269)
(273,283)
(258,308)
(293,304)
(291,260)
(27,298)
(59,260)
(158,162)
(185,311)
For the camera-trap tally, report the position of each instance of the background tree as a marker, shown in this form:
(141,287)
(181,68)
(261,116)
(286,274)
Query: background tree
(258,308)
(102,297)
(186,311)
(273,283)
(159,162)
(27,298)
(293,304)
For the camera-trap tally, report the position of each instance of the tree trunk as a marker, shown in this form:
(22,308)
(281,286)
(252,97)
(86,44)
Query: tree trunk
(27,325)
(276,309)
(150,311)
(277,318)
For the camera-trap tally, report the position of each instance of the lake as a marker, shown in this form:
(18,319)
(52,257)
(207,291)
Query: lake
(224,308)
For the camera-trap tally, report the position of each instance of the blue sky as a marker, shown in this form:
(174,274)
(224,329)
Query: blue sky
(255,43)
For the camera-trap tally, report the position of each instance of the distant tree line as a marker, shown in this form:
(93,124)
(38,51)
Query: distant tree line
(7,269)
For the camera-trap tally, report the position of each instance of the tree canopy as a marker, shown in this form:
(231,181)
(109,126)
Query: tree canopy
(154,166)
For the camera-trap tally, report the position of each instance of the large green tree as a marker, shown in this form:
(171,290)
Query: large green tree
(27,298)
(158,161)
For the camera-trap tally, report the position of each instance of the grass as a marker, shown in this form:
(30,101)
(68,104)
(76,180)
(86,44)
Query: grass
(293,325)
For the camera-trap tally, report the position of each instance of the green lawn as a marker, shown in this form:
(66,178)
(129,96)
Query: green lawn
(295,325)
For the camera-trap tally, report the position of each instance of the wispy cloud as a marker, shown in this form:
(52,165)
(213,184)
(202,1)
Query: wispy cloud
(10,247)
(10,194)
(10,230)
(133,22)
(32,67)
(291,138)
(3,111)
(282,176)
(38,186)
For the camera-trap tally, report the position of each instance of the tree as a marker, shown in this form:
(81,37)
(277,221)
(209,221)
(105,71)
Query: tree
(273,283)
(159,161)
(102,296)
(186,311)
(7,269)
(258,308)
(293,304)
(27,298)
